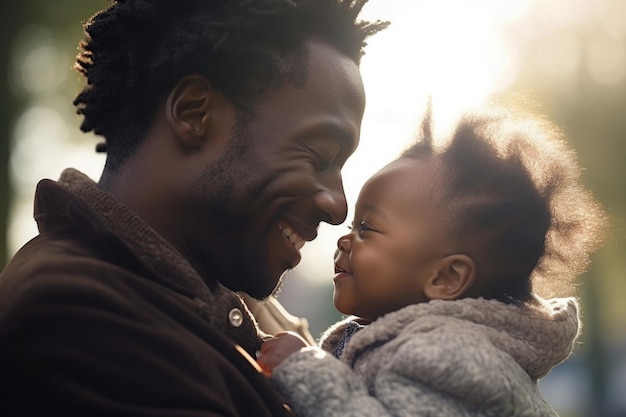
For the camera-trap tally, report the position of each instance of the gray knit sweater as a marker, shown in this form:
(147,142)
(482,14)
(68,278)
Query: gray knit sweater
(470,357)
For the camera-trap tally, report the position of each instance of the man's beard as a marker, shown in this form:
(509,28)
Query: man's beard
(233,260)
(239,265)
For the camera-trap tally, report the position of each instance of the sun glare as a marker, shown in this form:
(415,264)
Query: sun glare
(452,51)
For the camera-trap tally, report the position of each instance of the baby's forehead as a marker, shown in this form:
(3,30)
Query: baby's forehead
(405,181)
(428,172)
(402,166)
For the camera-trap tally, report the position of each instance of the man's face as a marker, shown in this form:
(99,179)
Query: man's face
(279,178)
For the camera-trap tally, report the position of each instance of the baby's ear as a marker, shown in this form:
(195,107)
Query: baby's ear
(457,274)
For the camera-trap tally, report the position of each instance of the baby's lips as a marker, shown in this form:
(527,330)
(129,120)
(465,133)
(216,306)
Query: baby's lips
(339,270)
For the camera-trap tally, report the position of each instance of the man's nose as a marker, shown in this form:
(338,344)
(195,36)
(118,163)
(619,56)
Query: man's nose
(332,202)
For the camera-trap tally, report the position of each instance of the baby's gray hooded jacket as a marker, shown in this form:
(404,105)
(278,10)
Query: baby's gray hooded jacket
(469,357)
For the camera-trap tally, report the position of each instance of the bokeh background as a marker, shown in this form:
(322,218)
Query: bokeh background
(565,59)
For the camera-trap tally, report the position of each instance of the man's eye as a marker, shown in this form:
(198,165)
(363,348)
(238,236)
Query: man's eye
(320,161)
(322,157)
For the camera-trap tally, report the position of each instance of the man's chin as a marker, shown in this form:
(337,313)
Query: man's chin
(261,289)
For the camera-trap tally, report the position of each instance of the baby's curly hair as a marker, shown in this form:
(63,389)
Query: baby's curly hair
(513,197)
(135,51)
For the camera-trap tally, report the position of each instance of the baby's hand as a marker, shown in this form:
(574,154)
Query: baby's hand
(276,349)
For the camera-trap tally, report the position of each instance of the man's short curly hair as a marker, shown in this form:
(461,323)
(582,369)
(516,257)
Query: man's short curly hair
(512,196)
(135,51)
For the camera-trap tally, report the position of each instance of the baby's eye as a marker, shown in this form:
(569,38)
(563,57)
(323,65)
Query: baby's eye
(365,227)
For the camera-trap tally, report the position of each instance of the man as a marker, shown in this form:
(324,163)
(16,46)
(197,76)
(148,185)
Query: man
(226,125)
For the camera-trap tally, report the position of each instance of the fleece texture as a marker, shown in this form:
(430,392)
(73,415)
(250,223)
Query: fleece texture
(469,357)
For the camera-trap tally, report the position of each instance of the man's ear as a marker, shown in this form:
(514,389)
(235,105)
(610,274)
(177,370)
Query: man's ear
(455,278)
(188,109)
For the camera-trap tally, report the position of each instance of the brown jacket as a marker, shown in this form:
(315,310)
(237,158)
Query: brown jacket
(99,316)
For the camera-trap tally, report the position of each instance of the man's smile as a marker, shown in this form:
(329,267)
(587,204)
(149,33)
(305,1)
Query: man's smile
(296,240)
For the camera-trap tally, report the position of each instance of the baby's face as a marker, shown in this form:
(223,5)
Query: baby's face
(396,243)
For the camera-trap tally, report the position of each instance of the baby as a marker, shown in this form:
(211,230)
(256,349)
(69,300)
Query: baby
(446,274)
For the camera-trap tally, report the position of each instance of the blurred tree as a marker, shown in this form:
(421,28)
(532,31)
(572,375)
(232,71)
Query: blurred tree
(585,95)
(11,19)
(62,17)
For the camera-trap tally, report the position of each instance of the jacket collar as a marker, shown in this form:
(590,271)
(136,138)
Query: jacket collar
(75,204)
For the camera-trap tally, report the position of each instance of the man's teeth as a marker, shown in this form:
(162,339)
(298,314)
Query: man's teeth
(293,237)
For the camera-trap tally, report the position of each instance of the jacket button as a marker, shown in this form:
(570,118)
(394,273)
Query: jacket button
(235,316)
